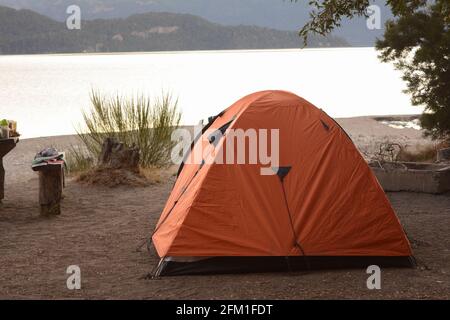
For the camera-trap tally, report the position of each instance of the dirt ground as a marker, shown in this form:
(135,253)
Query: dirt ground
(101,228)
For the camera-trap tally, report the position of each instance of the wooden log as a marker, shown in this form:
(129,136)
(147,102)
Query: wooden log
(2,180)
(50,190)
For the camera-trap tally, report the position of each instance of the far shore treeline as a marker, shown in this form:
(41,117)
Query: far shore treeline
(27,32)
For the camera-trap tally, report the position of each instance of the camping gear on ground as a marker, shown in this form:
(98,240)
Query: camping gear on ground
(4,132)
(48,156)
(13,129)
(50,165)
(6,145)
(8,129)
(321,208)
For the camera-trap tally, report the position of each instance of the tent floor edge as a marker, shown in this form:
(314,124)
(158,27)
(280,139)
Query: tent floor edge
(240,265)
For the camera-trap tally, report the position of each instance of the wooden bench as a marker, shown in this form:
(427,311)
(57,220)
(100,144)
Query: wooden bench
(6,145)
(51,183)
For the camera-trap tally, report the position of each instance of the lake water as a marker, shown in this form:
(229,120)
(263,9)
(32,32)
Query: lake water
(45,93)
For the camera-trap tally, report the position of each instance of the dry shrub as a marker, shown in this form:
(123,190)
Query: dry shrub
(422,153)
(113,178)
(443,145)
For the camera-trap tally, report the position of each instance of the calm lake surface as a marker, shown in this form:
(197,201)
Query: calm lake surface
(46,93)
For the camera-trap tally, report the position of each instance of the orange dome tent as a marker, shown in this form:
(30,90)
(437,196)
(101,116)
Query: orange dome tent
(321,208)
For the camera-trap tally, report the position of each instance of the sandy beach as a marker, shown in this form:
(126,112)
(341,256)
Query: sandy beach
(101,228)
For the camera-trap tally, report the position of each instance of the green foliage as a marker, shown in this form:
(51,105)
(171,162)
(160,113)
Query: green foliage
(417,42)
(326,15)
(136,121)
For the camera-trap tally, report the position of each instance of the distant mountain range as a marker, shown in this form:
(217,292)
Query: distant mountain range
(25,31)
(273,14)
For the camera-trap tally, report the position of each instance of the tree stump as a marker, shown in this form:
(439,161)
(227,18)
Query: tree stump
(6,145)
(50,189)
(115,155)
(118,164)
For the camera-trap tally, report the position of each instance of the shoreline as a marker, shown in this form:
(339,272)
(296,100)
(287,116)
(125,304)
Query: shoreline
(188,51)
(340,120)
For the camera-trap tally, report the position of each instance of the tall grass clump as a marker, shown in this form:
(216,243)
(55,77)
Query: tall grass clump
(140,121)
(78,159)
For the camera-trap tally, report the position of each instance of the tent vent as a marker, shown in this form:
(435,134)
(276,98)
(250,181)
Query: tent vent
(213,118)
(214,138)
(327,127)
(282,172)
(196,139)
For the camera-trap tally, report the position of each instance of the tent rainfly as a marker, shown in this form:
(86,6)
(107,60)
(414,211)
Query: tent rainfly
(321,208)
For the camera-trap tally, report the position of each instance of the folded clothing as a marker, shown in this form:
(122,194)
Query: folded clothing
(48,156)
